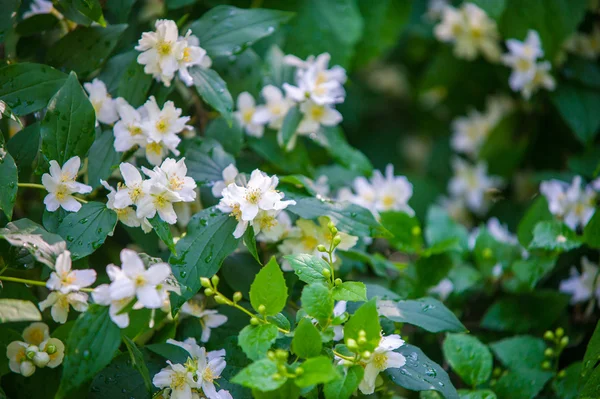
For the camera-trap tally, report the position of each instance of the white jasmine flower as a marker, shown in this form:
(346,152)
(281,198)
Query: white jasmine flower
(500,232)
(585,45)
(104,105)
(65,280)
(338,310)
(472,183)
(382,359)
(178,379)
(541,80)
(60,184)
(582,287)
(36,333)
(275,109)
(321,65)
(229,174)
(245,115)
(60,304)
(18,362)
(469,133)
(161,51)
(126,215)
(471,31)
(272,226)
(39,7)
(365,194)
(581,204)
(443,289)
(208,318)
(38,350)
(172,175)
(135,280)
(316,115)
(555,193)
(55,349)
(158,199)
(191,55)
(129,130)
(156,151)
(522,58)
(102,296)
(133,190)
(164,125)
(210,369)
(313,84)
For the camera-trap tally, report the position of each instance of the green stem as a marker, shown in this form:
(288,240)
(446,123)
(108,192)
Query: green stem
(35,282)
(235,305)
(348,358)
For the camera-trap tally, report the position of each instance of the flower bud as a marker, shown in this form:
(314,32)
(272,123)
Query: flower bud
(497,372)
(561,374)
(549,352)
(559,332)
(366,355)
(262,309)
(271,355)
(549,335)
(338,282)
(41,359)
(209,292)
(362,333)
(281,354)
(487,253)
(220,299)
(564,341)
(337,240)
(27,369)
(277,376)
(351,344)
(237,297)
(326,273)
(299,371)
(31,351)
(362,340)
(205,282)
(416,231)
(330,226)
(321,248)
(51,349)
(254,321)
(215,280)
(546,365)
(333,230)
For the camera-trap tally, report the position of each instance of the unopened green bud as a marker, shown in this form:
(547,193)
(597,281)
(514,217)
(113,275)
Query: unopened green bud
(326,273)
(564,341)
(205,282)
(281,354)
(209,292)
(262,309)
(338,282)
(220,299)
(254,321)
(351,344)
(549,335)
(334,231)
(415,231)
(366,354)
(497,372)
(215,280)
(493,382)
(237,297)
(487,253)
(277,376)
(299,371)
(337,240)
(321,248)
(362,333)
(282,369)
(330,226)
(546,365)
(51,349)
(271,355)
(362,340)
(561,374)
(31,351)
(559,332)
(549,352)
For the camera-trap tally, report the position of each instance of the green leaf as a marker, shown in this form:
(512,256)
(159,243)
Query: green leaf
(209,240)
(479,394)
(520,352)
(255,341)
(591,232)
(137,359)
(94,45)
(590,389)
(334,27)
(537,212)
(291,121)
(317,370)
(343,388)
(104,158)
(554,20)
(347,217)
(12,310)
(567,387)
(24,147)
(427,313)
(592,354)
(307,339)
(493,8)
(36,24)
(525,313)
(213,91)
(317,301)
(226,30)
(8,182)
(92,343)
(205,160)
(28,87)
(576,105)
(174,353)
(289,390)
(269,289)
(44,246)
(268,148)
(440,227)
(528,272)
(308,268)
(350,291)
(163,231)
(552,235)
(250,243)
(421,373)
(86,230)
(90,9)
(68,127)
(365,318)
(522,384)
(277,71)
(134,84)
(259,375)
(230,137)
(406,230)
(7,17)
(469,358)
(333,139)
(280,321)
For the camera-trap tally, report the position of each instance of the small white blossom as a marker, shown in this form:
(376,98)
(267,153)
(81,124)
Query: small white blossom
(178,379)
(245,115)
(65,280)
(541,80)
(208,318)
(191,55)
(574,204)
(443,289)
(472,183)
(272,226)
(38,350)
(338,310)
(158,199)
(315,81)
(522,58)
(585,45)
(60,184)
(582,286)
(126,215)
(469,133)
(61,303)
(275,109)
(102,296)
(172,175)
(129,130)
(133,190)
(316,115)
(104,105)
(382,359)
(229,174)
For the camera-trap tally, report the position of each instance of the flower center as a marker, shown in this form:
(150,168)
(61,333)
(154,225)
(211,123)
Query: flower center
(247,115)
(160,201)
(140,280)
(178,380)
(175,182)
(187,56)
(134,130)
(61,193)
(162,126)
(236,212)
(253,195)
(380,360)
(317,113)
(155,148)
(135,193)
(164,48)
(523,65)
(309,242)
(208,375)
(388,201)
(267,222)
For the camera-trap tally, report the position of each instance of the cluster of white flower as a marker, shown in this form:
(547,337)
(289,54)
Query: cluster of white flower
(104,105)
(583,286)
(470,30)
(61,184)
(585,45)
(208,318)
(573,203)
(470,132)
(134,283)
(66,285)
(196,377)
(37,350)
(380,193)
(164,53)
(472,186)
(528,75)
(257,203)
(166,185)
(318,88)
